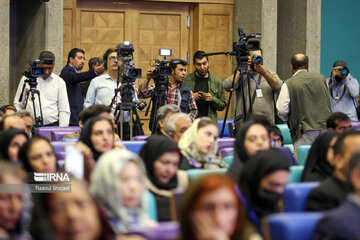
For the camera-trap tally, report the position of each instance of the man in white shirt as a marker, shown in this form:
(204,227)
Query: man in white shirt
(54,100)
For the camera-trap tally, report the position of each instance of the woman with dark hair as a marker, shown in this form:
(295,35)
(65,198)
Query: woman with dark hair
(37,155)
(198,145)
(212,210)
(252,137)
(162,157)
(320,161)
(98,135)
(262,184)
(11,141)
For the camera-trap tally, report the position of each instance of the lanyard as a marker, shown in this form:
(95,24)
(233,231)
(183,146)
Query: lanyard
(193,163)
(252,215)
(256,81)
(337,97)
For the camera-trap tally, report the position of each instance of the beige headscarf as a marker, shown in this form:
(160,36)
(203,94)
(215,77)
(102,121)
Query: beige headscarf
(188,148)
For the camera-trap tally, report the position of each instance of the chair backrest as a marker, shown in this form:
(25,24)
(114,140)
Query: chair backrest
(293,226)
(59,147)
(46,131)
(133,146)
(58,135)
(164,231)
(226,152)
(295,173)
(225,143)
(302,152)
(141,137)
(69,139)
(229,159)
(151,205)
(226,129)
(295,194)
(285,132)
(194,173)
(355,125)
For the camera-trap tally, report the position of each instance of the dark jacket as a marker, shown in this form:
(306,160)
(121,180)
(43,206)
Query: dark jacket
(73,80)
(330,194)
(341,223)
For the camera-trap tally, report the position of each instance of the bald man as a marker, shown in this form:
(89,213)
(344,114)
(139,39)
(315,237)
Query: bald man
(304,102)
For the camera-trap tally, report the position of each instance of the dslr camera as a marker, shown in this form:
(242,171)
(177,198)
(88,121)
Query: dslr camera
(36,71)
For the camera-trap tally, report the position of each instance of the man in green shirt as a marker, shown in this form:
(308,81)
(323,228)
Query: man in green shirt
(208,89)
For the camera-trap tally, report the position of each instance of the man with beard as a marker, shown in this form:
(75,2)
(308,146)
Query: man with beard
(343,90)
(177,93)
(208,90)
(72,78)
(259,88)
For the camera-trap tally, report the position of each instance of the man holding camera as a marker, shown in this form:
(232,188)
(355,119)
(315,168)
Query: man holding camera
(259,88)
(304,102)
(70,74)
(177,93)
(208,90)
(53,95)
(343,90)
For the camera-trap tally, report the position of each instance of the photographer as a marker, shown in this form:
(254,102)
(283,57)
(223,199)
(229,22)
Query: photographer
(263,86)
(102,88)
(53,95)
(343,90)
(177,94)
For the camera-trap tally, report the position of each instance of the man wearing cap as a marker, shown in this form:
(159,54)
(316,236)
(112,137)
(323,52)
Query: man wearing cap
(343,90)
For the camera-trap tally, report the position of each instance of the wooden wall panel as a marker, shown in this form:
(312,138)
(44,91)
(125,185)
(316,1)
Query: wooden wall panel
(67,33)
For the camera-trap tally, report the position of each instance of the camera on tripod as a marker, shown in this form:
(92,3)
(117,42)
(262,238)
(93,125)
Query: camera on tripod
(247,43)
(36,71)
(162,67)
(127,70)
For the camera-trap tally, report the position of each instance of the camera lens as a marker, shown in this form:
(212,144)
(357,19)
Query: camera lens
(256,59)
(344,71)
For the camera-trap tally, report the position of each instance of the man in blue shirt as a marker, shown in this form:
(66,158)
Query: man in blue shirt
(343,90)
(102,88)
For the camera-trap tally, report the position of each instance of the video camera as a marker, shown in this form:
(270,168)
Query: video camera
(127,70)
(162,67)
(242,48)
(36,71)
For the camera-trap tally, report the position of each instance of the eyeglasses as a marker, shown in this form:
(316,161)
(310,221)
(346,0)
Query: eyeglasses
(277,139)
(112,58)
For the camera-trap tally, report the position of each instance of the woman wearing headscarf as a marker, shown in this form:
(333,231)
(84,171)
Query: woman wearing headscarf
(319,163)
(98,135)
(11,141)
(117,183)
(262,184)
(162,157)
(198,145)
(252,137)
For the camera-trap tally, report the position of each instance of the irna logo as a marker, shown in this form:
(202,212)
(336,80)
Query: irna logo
(51,177)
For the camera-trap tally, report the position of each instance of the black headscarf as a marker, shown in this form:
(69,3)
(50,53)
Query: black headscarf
(151,151)
(317,168)
(85,134)
(259,166)
(240,154)
(5,139)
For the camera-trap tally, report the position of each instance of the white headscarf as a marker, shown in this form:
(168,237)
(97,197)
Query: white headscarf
(105,185)
(188,147)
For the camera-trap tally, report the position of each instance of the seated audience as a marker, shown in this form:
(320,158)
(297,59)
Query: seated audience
(11,141)
(26,116)
(176,125)
(75,215)
(262,183)
(162,158)
(333,190)
(320,160)
(276,138)
(8,109)
(12,204)
(12,121)
(338,121)
(342,223)
(212,210)
(198,145)
(252,137)
(162,116)
(37,155)
(98,135)
(118,184)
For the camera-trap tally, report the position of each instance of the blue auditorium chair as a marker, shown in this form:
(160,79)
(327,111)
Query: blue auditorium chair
(295,174)
(285,132)
(133,146)
(194,173)
(226,129)
(293,226)
(295,194)
(151,205)
(302,152)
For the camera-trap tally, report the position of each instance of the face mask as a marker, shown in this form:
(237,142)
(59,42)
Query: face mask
(268,198)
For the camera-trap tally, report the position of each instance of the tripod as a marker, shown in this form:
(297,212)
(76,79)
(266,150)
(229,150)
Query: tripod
(32,83)
(158,99)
